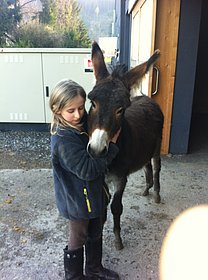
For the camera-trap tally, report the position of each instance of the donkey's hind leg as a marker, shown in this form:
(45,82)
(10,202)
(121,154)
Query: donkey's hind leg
(156,161)
(149,178)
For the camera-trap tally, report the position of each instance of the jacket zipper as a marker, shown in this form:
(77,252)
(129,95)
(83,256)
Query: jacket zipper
(87,200)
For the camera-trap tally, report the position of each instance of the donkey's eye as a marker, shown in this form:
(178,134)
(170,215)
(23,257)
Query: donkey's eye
(93,104)
(120,111)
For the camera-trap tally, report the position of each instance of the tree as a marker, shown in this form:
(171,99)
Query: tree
(64,16)
(59,25)
(9,18)
(46,15)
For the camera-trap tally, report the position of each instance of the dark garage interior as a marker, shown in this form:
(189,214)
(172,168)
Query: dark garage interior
(198,140)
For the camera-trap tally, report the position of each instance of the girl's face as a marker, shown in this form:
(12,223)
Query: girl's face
(74,110)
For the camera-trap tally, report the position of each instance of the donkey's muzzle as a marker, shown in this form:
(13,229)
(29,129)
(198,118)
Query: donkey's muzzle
(98,143)
(96,153)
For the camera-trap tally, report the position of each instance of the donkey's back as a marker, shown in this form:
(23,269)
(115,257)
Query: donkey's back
(140,138)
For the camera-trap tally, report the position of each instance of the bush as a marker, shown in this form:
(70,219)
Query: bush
(35,35)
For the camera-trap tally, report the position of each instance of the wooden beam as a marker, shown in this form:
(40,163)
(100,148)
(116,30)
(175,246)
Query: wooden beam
(167,26)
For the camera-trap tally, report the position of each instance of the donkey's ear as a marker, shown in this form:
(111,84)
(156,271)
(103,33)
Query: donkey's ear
(100,70)
(135,74)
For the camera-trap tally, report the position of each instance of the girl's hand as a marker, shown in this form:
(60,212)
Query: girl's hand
(115,137)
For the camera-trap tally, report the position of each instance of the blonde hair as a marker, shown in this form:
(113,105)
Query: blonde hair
(62,93)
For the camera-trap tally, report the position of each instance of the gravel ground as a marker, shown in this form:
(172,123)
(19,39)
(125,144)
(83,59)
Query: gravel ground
(24,149)
(32,234)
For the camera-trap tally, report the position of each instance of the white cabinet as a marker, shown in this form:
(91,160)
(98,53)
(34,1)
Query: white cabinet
(21,88)
(28,75)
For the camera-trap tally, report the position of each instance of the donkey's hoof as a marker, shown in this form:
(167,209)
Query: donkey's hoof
(157,198)
(119,245)
(145,192)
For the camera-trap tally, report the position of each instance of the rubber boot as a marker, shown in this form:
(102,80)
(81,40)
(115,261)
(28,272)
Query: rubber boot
(94,267)
(73,264)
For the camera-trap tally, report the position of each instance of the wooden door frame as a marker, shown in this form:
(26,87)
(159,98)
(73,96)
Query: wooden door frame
(166,40)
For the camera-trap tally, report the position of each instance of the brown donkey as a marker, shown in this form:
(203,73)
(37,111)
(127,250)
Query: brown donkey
(141,123)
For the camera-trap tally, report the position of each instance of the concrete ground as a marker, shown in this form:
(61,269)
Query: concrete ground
(33,235)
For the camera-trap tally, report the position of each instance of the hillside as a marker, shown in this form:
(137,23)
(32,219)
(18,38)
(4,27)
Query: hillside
(98,15)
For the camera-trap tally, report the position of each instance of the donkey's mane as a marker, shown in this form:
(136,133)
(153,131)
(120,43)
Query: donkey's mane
(118,71)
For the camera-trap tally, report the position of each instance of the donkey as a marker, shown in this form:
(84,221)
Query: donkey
(141,123)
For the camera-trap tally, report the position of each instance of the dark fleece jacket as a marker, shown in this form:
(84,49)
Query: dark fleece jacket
(78,178)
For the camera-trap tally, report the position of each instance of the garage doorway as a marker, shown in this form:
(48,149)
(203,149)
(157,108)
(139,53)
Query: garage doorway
(198,140)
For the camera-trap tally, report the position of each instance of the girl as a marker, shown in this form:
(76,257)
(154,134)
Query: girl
(79,182)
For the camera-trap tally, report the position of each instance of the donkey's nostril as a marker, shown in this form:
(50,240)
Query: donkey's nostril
(91,151)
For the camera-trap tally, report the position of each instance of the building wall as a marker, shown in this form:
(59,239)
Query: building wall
(178,38)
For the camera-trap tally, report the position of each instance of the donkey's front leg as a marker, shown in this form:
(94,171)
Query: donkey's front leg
(117,210)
